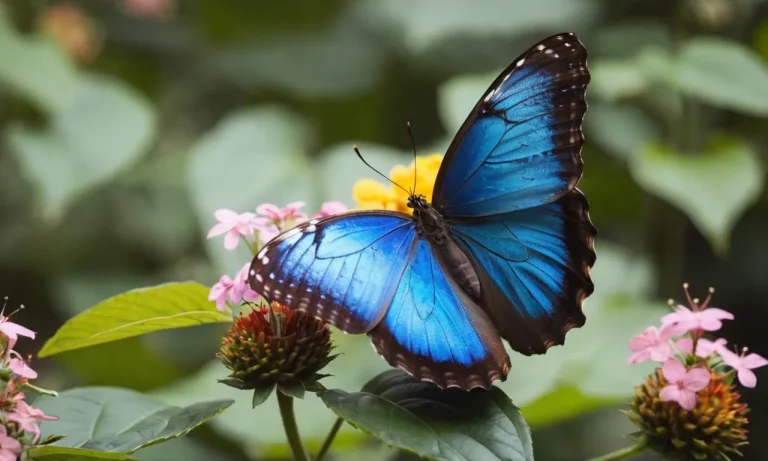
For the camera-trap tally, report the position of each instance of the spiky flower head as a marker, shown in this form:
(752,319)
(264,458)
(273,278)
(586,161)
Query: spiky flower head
(274,345)
(713,429)
(690,408)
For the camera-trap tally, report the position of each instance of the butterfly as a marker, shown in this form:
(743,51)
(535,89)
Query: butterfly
(503,251)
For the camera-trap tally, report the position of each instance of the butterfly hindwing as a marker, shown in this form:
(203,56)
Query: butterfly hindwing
(436,332)
(533,300)
(343,269)
(520,147)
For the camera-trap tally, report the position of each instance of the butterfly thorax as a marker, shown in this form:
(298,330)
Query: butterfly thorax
(430,224)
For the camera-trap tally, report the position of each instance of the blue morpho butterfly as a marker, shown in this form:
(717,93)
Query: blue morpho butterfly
(503,251)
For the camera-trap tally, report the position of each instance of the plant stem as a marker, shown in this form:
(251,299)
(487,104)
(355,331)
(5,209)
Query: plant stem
(291,429)
(329,439)
(624,453)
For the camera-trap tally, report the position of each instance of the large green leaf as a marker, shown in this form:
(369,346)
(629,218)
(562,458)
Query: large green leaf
(55,453)
(436,424)
(251,157)
(425,23)
(724,73)
(712,187)
(120,420)
(36,68)
(103,131)
(137,312)
(617,79)
(621,129)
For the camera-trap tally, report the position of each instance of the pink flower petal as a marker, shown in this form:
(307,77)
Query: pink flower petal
(21,369)
(673,370)
(225,215)
(687,399)
(670,393)
(269,210)
(753,360)
(716,313)
(705,347)
(231,240)
(219,229)
(730,358)
(685,345)
(639,357)
(696,379)
(747,377)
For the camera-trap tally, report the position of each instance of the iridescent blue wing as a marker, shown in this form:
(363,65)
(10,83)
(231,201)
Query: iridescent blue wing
(520,147)
(343,269)
(533,267)
(434,331)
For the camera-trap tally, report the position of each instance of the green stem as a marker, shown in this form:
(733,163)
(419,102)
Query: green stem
(291,429)
(624,453)
(329,439)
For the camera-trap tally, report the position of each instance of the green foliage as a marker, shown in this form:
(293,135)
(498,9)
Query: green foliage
(724,73)
(136,312)
(435,424)
(119,420)
(712,187)
(56,453)
(105,128)
(36,69)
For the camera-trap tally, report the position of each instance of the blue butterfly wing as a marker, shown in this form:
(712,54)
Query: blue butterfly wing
(434,331)
(343,269)
(533,267)
(520,147)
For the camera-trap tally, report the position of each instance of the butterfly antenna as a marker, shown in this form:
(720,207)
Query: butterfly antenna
(357,151)
(413,145)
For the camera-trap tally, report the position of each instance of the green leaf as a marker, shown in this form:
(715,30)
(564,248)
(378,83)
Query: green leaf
(136,312)
(433,423)
(251,157)
(621,129)
(617,79)
(55,453)
(103,131)
(293,389)
(120,420)
(261,394)
(36,68)
(421,28)
(712,187)
(724,73)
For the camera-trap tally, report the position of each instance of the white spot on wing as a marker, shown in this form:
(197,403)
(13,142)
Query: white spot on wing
(264,260)
(259,278)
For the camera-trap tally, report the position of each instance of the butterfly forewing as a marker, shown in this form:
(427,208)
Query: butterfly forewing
(520,146)
(343,269)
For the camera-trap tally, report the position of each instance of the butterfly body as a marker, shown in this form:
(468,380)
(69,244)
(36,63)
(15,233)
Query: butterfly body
(503,251)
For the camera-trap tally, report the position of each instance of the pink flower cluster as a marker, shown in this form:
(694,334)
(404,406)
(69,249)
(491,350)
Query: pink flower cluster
(19,425)
(679,342)
(255,229)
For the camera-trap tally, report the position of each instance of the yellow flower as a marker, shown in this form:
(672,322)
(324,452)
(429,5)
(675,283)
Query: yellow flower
(372,195)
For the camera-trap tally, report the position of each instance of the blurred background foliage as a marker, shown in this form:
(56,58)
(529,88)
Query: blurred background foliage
(125,123)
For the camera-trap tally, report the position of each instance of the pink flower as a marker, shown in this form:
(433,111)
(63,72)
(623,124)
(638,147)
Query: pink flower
(704,347)
(12,331)
(235,225)
(651,344)
(683,384)
(19,367)
(28,418)
(10,448)
(220,292)
(330,209)
(280,215)
(744,364)
(242,291)
(684,319)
